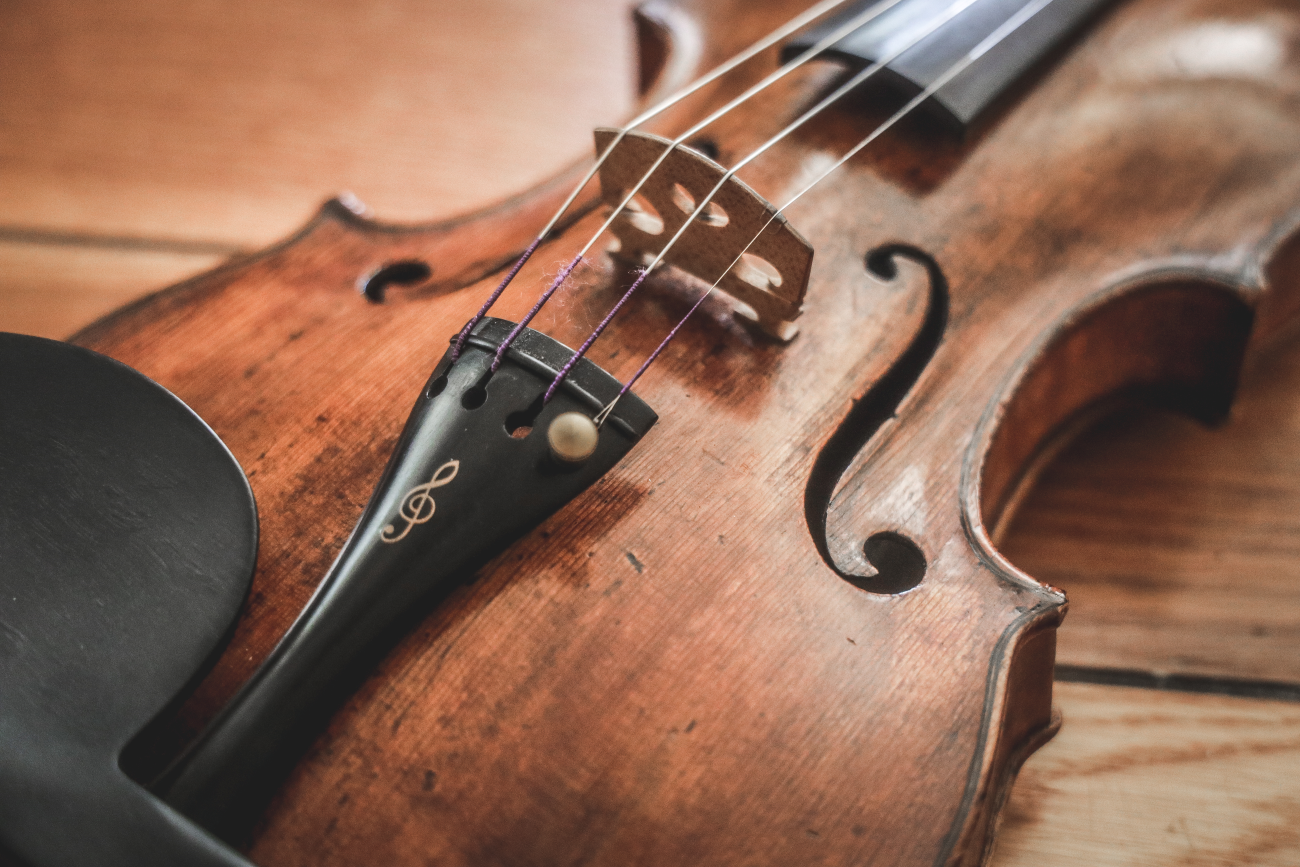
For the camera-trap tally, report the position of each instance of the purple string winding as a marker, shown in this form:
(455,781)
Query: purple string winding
(582,350)
(523,323)
(492,299)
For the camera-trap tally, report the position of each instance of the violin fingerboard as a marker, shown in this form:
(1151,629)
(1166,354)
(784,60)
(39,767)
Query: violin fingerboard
(972,91)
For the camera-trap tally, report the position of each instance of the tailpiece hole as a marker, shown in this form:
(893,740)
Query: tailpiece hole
(519,424)
(474,397)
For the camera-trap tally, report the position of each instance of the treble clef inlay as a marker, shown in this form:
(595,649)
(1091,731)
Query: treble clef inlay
(417,505)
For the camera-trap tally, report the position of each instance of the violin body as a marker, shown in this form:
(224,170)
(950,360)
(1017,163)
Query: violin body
(705,658)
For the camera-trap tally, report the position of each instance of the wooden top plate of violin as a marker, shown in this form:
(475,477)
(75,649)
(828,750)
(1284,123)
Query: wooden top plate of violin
(651,516)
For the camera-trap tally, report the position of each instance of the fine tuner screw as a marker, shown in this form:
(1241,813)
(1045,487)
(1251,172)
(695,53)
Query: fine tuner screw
(572,437)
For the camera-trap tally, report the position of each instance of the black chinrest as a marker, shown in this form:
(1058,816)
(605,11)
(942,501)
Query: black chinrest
(128,536)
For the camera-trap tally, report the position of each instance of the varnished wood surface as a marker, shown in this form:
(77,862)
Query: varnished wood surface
(1204,620)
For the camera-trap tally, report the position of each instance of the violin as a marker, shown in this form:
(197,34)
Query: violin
(768,624)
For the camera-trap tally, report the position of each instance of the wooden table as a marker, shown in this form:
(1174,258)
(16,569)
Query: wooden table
(140,144)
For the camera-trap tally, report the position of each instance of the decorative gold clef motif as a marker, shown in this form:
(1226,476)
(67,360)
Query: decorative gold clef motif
(417,505)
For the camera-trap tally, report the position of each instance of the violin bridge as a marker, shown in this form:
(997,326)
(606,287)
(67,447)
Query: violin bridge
(767,285)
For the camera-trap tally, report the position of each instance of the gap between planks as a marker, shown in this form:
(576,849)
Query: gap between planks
(1139,777)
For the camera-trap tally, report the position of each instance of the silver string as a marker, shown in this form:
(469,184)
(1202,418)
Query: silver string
(853,24)
(852,83)
(1007,28)
(811,14)
(785,69)
(794,24)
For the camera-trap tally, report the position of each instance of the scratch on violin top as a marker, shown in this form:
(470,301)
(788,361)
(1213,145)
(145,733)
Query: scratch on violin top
(12,639)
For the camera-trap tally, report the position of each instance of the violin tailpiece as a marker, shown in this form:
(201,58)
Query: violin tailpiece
(473,470)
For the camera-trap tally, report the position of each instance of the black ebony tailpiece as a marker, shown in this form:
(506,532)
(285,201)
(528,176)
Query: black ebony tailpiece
(471,473)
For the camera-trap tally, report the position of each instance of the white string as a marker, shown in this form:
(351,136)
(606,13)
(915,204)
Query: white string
(763,44)
(1002,32)
(835,36)
(951,12)
(794,24)
(853,24)
(852,83)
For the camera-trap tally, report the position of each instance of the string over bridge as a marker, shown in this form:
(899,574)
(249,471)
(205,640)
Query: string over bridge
(768,283)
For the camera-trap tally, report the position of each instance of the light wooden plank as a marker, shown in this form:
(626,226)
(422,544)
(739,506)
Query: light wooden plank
(231,122)
(53,290)
(1139,778)
(1179,546)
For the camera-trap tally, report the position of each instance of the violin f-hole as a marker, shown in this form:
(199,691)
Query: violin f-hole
(899,563)
(406,272)
(880,563)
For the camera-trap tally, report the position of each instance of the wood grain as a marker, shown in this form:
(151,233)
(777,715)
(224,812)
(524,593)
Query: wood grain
(231,124)
(1139,778)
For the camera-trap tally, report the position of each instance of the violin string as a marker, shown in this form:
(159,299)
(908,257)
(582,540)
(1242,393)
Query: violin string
(785,69)
(1006,29)
(849,85)
(788,28)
